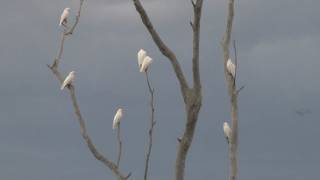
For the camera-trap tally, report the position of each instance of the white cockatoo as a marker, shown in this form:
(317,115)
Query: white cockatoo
(227,131)
(141,55)
(68,80)
(231,68)
(117,118)
(64,16)
(145,64)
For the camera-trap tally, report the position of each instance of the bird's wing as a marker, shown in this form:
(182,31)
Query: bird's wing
(227,130)
(146,62)
(116,120)
(66,82)
(141,55)
(64,16)
(231,68)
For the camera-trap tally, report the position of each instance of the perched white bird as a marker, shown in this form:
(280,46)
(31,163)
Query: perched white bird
(231,68)
(64,16)
(68,80)
(117,118)
(227,131)
(141,55)
(146,62)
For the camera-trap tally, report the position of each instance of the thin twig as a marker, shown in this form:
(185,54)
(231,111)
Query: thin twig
(119,145)
(71,30)
(240,89)
(152,124)
(236,60)
(54,68)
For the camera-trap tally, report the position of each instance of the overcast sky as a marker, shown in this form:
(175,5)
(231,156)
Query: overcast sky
(278,47)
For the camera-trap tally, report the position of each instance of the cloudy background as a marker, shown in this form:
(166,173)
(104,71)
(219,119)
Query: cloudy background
(278,46)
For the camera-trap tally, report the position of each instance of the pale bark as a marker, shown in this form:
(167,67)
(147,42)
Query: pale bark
(192,96)
(233,93)
(164,49)
(71,89)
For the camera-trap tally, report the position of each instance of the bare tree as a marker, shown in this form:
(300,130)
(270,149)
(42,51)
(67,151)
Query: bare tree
(71,89)
(233,93)
(192,96)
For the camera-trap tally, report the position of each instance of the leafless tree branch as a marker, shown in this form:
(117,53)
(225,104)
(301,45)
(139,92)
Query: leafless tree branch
(119,145)
(235,60)
(66,32)
(197,9)
(164,49)
(54,68)
(152,124)
(237,66)
(71,30)
(240,89)
(233,146)
(192,96)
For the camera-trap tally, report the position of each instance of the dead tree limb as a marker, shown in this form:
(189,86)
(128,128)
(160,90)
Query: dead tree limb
(233,93)
(152,124)
(192,96)
(164,49)
(119,145)
(71,89)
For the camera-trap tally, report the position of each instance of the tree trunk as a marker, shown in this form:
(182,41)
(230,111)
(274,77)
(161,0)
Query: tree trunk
(193,105)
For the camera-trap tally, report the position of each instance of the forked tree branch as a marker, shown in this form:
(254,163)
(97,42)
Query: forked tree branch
(71,30)
(192,96)
(233,93)
(66,32)
(164,49)
(152,124)
(54,68)
(194,99)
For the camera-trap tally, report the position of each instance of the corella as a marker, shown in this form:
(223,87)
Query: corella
(64,16)
(68,80)
(117,118)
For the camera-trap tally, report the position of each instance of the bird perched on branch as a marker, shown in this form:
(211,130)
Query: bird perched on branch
(64,17)
(231,68)
(68,80)
(143,60)
(141,55)
(146,63)
(117,118)
(227,131)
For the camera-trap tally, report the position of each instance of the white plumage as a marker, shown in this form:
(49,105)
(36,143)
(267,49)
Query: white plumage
(231,68)
(141,55)
(64,16)
(68,80)
(227,131)
(117,118)
(146,62)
